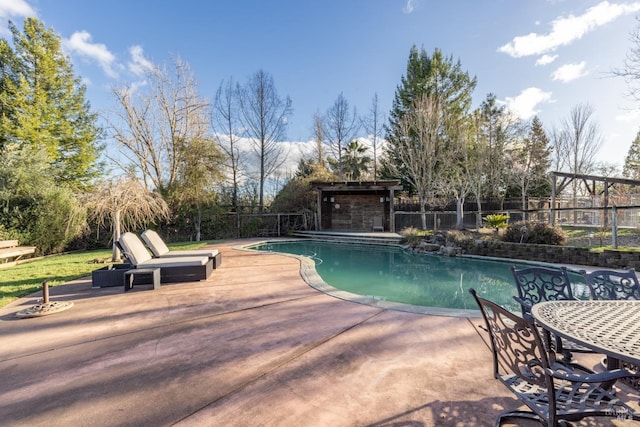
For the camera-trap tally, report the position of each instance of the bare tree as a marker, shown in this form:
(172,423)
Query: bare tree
(476,156)
(265,115)
(418,148)
(341,127)
(577,143)
(455,182)
(578,140)
(318,133)
(156,127)
(373,125)
(630,70)
(125,203)
(557,142)
(226,123)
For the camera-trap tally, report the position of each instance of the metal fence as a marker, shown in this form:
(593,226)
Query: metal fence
(233,225)
(596,218)
(244,225)
(236,225)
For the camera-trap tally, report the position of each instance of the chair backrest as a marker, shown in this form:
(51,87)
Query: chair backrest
(612,285)
(133,248)
(516,345)
(155,243)
(377,223)
(537,284)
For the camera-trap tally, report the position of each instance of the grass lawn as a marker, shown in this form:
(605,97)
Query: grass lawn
(26,278)
(598,239)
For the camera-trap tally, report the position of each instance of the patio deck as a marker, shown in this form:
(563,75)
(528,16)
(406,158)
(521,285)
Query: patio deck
(254,345)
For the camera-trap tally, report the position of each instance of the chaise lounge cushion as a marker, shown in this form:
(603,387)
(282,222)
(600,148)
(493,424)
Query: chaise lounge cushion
(174,269)
(159,249)
(174,262)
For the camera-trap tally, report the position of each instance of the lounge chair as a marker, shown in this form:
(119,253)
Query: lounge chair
(173,269)
(377,224)
(160,250)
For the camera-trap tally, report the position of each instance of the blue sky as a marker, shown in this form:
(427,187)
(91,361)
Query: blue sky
(537,56)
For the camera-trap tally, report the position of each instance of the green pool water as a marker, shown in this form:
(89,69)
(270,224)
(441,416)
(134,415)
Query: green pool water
(391,273)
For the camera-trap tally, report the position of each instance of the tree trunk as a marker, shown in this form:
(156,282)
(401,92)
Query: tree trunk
(460,213)
(423,213)
(479,214)
(115,255)
(198,222)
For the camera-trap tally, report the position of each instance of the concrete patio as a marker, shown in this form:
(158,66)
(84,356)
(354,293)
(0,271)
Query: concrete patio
(254,345)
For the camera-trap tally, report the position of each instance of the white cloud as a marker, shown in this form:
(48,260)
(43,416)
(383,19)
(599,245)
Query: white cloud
(13,9)
(409,6)
(569,72)
(565,30)
(524,105)
(629,116)
(138,86)
(546,59)
(139,64)
(10,8)
(81,45)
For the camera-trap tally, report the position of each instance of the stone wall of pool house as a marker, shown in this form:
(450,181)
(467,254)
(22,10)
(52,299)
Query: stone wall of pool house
(554,254)
(353,205)
(355,213)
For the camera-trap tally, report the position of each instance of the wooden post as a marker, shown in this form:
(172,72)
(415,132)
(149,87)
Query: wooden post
(552,212)
(606,204)
(115,253)
(614,227)
(318,223)
(45,292)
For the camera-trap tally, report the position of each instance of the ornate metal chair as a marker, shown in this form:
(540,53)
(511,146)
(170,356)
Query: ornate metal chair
(612,284)
(537,284)
(552,391)
(615,285)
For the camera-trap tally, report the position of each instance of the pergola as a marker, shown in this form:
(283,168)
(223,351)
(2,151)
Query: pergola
(590,182)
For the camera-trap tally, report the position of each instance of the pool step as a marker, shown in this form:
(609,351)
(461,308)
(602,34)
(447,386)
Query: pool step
(345,236)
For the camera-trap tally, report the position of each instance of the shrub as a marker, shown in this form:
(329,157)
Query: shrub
(460,239)
(412,236)
(534,232)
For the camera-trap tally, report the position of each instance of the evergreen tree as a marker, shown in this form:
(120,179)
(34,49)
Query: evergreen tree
(494,134)
(440,79)
(540,153)
(43,104)
(631,168)
(48,141)
(33,208)
(531,162)
(7,82)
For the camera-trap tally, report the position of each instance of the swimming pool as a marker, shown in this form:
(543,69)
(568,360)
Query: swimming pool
(383,273)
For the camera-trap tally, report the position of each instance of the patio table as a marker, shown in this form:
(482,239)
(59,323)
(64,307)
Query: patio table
(609,327)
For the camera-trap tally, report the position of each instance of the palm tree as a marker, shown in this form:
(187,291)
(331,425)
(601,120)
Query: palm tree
(355,161)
